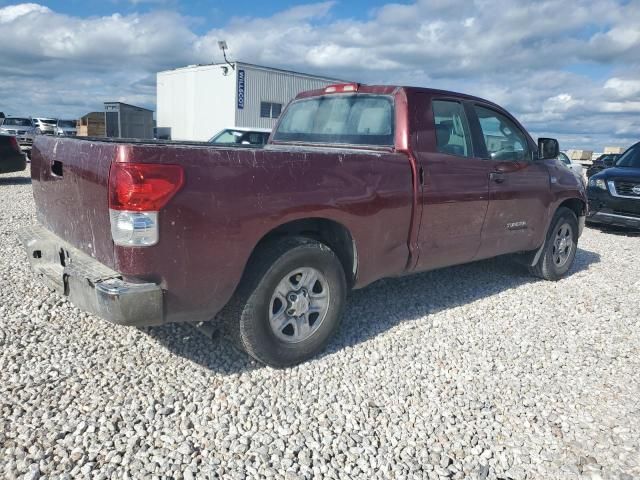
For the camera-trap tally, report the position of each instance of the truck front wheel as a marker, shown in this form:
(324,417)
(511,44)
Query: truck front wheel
(289,302)
(560,246)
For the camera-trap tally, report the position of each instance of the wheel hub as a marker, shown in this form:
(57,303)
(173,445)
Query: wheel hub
(563,244)
(297,303)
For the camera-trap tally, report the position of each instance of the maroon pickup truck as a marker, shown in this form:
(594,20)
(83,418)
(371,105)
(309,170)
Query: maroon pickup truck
(357,183)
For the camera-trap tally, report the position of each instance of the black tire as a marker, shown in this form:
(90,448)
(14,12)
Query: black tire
(547,266)
(247,314)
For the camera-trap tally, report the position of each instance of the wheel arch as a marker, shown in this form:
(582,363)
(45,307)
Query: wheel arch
(330,232)
(576,205)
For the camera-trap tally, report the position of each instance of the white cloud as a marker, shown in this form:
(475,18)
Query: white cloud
(13,12)
(624,87)
(518,54)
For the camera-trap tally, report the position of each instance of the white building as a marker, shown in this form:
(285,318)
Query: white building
(197,101)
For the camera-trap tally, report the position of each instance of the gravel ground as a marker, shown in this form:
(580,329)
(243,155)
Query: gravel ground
(476,371)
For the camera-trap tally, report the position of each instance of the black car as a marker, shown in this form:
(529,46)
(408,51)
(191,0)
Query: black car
(614,193)
(607,160)
(11,157)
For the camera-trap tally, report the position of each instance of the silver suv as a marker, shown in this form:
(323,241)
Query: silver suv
(22,128)
(66,128)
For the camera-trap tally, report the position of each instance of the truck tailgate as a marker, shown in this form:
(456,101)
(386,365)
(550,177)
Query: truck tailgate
(70,187)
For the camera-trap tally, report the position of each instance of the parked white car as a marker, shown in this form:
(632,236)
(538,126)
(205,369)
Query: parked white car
(242,136)
(577,168)
(46,126)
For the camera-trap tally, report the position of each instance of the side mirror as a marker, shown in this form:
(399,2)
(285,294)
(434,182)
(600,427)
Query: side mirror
(548,148)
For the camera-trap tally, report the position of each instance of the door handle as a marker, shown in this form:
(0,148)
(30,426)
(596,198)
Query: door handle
(497,177)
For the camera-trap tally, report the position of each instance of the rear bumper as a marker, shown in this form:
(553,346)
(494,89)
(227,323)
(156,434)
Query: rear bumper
(89,284)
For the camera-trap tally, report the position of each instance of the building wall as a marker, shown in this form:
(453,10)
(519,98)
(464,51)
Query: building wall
(267,85)
(196,102)
(127,121)
(135,122)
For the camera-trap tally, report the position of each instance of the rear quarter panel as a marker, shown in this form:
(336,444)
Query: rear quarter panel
(233,197)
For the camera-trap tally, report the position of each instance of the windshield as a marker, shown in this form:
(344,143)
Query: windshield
(16,122)
(47,121)
(66,124)
(564,159)
(231,136)
(353,120)
(630,158)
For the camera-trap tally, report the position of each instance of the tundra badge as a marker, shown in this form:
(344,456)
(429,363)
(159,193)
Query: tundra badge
(517,225)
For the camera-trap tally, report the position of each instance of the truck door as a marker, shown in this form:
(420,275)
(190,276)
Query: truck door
(454,182)
(519,186)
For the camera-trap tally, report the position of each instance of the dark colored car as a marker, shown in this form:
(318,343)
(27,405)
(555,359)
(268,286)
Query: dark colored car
(356,184)
(11,157)
(603,161)
(614,193)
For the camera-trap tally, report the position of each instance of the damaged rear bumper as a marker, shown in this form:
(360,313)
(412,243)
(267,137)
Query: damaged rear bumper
(89,284)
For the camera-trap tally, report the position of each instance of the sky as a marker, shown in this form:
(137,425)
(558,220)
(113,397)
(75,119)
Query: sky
(569,70)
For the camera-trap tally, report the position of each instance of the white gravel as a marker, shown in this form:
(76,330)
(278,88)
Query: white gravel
(476,371)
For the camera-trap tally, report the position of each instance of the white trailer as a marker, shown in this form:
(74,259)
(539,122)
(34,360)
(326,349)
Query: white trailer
(197,101)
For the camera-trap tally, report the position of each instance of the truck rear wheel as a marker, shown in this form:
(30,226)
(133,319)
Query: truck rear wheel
(289,302)
(560,246)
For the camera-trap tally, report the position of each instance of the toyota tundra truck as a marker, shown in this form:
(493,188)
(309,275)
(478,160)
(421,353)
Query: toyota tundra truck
(357,183)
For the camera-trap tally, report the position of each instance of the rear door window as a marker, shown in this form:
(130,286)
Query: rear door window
(452,128)
(504,141)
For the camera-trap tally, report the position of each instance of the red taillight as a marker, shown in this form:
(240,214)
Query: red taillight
(13,141)
(342,88)
(143,187)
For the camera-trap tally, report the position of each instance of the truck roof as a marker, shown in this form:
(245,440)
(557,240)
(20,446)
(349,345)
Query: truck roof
(248,129)
(390,89)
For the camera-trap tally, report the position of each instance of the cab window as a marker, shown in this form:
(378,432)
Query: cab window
(504,141)
(452,129)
